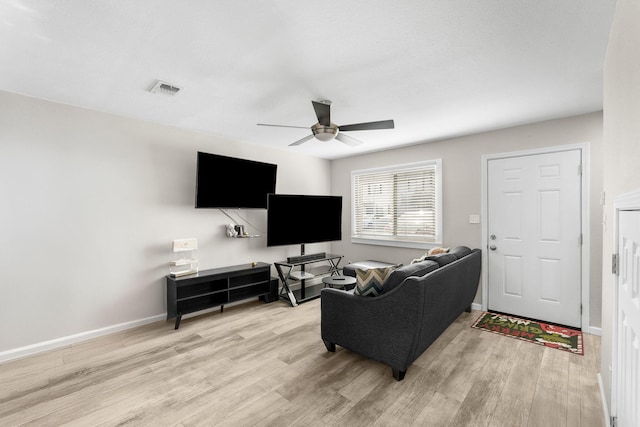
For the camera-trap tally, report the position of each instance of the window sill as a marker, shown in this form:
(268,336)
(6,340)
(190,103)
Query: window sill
(395,243)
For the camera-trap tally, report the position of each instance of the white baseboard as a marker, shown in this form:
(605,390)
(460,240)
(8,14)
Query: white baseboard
(476,306)
(605,409)
(30,350)
(594,330)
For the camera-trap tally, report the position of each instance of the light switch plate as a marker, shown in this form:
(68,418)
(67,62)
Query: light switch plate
(474,219)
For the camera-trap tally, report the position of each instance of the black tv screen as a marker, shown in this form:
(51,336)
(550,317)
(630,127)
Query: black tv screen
(299,219)
(230,182)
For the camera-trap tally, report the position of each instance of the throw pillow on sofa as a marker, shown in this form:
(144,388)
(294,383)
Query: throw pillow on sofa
(431,252)
(369,281)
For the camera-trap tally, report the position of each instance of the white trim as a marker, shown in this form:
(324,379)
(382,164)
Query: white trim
(603,396)
(33,349)
(476,306)
(586,220)
(628,201)
(594,330)
(399,166)
(624,202)
(396,243)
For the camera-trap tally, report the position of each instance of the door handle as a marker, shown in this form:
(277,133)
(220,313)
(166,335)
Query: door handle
(493,247)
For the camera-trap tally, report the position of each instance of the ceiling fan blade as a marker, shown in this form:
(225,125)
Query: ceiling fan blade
(383,124)
(300,141)
(283,126)
(349,140)
(323,112)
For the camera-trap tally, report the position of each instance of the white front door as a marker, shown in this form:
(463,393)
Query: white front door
(534,227)
(627,379)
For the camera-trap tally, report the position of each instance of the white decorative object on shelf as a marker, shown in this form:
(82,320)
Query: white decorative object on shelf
(231,231)
(238,231)
(185,260)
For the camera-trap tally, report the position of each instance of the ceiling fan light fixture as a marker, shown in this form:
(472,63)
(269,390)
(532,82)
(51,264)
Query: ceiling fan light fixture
(326,130)
(324,133)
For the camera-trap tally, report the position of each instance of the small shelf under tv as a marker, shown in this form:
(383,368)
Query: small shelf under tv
(293,273)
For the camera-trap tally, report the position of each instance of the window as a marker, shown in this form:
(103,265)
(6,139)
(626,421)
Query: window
(398,205)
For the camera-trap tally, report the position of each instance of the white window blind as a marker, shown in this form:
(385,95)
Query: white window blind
(397,204)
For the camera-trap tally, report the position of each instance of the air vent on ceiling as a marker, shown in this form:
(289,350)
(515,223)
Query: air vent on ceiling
(165,88)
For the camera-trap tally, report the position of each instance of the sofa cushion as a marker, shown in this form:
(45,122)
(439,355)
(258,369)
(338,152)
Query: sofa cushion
(416,269)
(443,259)
(369,281)
(460,251)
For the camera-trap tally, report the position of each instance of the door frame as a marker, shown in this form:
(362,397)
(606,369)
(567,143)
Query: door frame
(624,202)
(585,221)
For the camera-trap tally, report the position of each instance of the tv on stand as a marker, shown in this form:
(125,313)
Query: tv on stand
(297,219)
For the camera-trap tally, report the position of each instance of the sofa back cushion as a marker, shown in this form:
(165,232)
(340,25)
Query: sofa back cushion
(460,251)
(398,275)
(443,259)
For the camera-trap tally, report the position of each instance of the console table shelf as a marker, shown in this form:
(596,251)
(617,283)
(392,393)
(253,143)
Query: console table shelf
(299,272)
(217,287)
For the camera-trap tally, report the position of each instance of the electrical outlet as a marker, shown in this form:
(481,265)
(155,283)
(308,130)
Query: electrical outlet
(474,219)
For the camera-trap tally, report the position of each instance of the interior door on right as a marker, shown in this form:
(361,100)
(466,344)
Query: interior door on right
(627,381)
(534,225)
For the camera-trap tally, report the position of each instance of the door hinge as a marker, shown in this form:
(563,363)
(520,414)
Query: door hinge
(581,239)
(614,421)
(580,169)
(615,267)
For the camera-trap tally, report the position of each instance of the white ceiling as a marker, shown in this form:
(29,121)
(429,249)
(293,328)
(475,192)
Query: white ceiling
(439,68)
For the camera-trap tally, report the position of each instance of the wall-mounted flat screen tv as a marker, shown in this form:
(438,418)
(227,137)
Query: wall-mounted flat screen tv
(299,219)
(228,182)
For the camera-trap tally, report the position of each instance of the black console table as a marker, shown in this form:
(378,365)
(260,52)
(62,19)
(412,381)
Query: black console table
(217,287)
(299,272)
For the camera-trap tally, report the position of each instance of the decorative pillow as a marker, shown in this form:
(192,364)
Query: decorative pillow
(369,281)
(431,252)
(436,251)
(422,258)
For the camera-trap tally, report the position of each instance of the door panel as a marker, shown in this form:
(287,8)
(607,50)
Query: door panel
(628,359)
(534,222)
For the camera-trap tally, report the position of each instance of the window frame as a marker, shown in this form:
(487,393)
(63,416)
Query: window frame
(392,241)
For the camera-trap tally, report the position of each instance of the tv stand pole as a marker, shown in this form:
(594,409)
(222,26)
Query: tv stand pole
(303,288)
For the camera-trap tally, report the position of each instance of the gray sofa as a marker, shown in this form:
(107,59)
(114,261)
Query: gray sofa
(419,301)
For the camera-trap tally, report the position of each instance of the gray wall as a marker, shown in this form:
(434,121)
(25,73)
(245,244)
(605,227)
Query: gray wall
(622,147)
(461,163)
(90,205)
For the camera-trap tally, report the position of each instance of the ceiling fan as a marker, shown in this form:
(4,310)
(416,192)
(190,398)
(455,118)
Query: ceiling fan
(325,130)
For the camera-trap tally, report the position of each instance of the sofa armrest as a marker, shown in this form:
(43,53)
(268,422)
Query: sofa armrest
(382,328)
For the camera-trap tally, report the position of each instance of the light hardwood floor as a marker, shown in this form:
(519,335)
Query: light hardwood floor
(265,364)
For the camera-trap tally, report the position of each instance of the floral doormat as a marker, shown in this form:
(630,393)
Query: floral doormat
(560,337)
